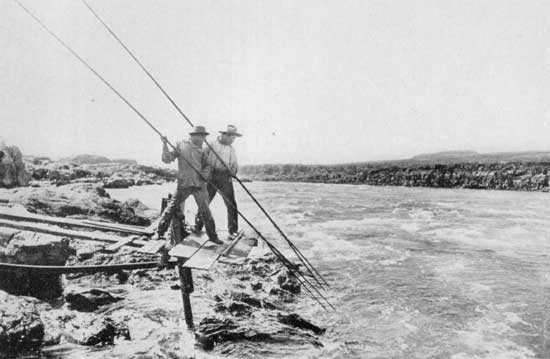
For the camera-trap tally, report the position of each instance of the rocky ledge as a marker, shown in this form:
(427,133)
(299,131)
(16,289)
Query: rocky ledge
(78,200)
(94,169)
(233,303)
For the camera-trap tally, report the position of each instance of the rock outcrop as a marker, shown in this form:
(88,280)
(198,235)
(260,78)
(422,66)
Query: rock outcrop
(23,247)
(12,167)
(76,199)
(113,174)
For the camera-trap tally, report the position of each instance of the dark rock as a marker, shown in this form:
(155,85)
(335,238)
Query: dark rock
(34,249)
(237,309)
(12,167)
(20,323)
(118,182)
(213,330)
(288,282)
(292,287)
(85,254)
(246,298)
(283,295)
(89,300)
(295,320)
(256,285)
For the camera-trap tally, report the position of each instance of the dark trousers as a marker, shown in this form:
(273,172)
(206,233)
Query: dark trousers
(181,194)
(222,181)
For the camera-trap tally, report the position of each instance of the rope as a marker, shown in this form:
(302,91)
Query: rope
(10,267)
(315,274)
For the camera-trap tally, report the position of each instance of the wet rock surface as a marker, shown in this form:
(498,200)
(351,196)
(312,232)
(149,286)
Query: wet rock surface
(297,321)
(82,328)
(20,324)
(109,307)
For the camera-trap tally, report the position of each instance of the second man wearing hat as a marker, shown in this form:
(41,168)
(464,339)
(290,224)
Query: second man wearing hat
(193,170)
(222,159)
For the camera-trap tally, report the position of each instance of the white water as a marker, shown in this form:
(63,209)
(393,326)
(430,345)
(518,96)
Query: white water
(414,273)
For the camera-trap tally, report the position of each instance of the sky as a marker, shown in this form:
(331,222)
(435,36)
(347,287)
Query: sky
(309,81)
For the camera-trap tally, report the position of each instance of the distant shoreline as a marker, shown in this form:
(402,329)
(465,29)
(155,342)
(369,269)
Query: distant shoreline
(515,176)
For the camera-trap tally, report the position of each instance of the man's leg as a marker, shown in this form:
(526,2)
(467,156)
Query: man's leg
(228,194)
(201,198)
(211,189)
(180,195)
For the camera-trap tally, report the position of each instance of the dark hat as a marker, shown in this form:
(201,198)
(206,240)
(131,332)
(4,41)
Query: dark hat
(199,130)
(231,130)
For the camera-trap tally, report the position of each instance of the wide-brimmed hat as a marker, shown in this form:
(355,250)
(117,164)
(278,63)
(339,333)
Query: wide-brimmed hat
(231,130)
(199,130)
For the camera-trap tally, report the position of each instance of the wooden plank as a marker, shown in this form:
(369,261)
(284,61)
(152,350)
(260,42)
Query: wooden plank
(233,243)
(240,251)
(21,215)
(189,246)
(206,256)
(115,247)
(56,231)
(153,247)
(123,228)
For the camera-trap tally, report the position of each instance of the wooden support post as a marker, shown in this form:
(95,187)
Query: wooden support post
(186,284)
(186,277)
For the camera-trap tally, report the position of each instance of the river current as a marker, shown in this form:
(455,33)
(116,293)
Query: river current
(413,272)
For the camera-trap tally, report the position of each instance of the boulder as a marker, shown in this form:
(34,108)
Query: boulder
(296,321)
(288,282)
(23,247)
(12,167)
(20,323)
(90,299)
(118,182)
(214,330)
(82,328)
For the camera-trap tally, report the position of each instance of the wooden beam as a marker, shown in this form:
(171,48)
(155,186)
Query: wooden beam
(56,231)
(115,247)
(102,226)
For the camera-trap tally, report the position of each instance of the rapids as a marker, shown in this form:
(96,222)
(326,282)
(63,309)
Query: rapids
(414,272)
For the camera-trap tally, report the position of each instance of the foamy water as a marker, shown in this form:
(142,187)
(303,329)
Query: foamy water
(414,273)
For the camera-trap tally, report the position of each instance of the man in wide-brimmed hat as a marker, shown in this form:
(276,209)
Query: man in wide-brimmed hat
(222,159)
(193,170)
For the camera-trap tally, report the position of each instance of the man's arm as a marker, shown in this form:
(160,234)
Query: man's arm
(206,167)
(234,165)
(167,155)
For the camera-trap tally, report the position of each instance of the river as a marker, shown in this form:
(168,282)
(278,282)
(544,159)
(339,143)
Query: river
(413,272)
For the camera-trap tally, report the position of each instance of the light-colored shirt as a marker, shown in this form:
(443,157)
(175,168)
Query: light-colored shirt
(226,153)
(190,159)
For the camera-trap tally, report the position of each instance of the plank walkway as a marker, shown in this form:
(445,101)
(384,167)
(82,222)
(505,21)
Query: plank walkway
(20,215)
(201,254)
(57,231)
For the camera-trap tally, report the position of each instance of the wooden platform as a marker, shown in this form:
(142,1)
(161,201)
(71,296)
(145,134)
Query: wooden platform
(201,254)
